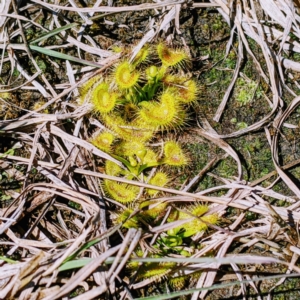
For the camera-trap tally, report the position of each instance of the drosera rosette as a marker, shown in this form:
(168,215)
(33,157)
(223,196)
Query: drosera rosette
(129,111)
(152,270)
(152,73)
(174,154)
(166,271)
(157,271)
(121,192)
(135,100)
(154,83)
(126,76)
(159,179)
(112,168)
(186,90)
(150,158)
(132,148)
(128,131)
(198,218)
(103,99)
(172,57)
(163,114)
(86,88)
(135,155)
(152,209)
(127,218)
(142,56)
(103,141)
(129,153)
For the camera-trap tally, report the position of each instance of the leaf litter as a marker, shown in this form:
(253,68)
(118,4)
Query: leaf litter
(60,213)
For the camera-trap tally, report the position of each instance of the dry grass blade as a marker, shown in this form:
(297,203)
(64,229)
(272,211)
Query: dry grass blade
(274,146)
(145,6)
(236,71)
(211,135)
(83,274)
(238,203)
(4,8)
(70,250)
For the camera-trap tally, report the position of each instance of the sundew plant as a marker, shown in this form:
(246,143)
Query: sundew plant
(135,101)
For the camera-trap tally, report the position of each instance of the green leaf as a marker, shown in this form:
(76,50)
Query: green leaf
(8,260)
(64,56)
(53,32)
(79,263)
(125,162)
(143,167)
(91,243)
(66,27)
(74,264)
(8,152)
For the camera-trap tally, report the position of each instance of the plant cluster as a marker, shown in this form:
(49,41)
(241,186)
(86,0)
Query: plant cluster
(156,271)
(246,90)
(135,101)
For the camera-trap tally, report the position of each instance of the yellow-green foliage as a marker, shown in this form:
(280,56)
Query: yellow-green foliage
(178,283)
(149,270)
(186,89)
(154,95)
(133,222)
(245,91)
(142,56)
(154,209)
(154,270)
(173,154)
(162,114)
(150,157)
(5,95)
(112,168)
(159,179)
(126,130)
(130,148)
(188,92)
(37,105)
(125,76)
(86,89)
(103,141)
(195,225)
(170,57)
(121,192)
(103,99)
(135,100)
(151,73)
